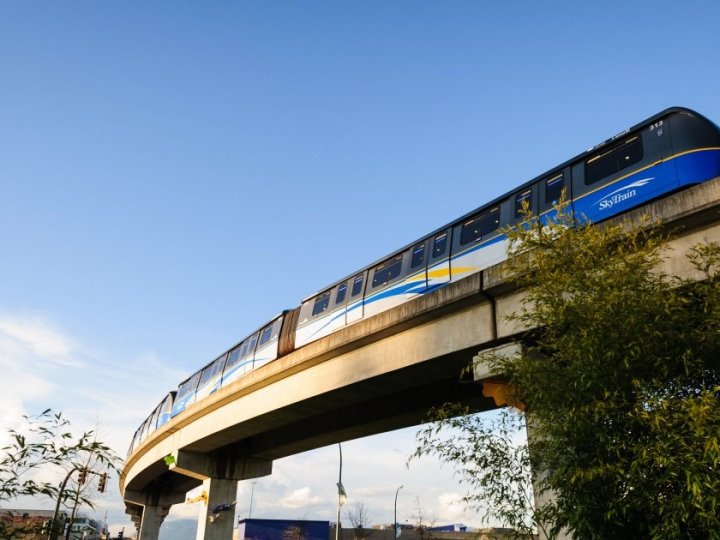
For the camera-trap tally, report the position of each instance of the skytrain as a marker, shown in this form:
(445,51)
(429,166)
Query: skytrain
(670,151)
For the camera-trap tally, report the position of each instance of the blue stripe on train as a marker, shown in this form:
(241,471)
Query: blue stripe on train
(696,167)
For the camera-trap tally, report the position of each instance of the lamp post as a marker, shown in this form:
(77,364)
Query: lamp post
(252,492)
(397,535)
(342,496)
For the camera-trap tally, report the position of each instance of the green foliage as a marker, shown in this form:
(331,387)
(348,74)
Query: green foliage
(45,447)
(620,378)
(488,458)
(622,381)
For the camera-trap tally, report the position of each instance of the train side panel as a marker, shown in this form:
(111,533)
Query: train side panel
(210,378)
(395,280)
(240,359)
(328,311)
(185,394)
(166,409)
(267,347)
(478,243)
(635,168)
(696,146)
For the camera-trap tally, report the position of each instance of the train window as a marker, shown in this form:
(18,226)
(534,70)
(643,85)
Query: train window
(387,271)
(440,244)
(357,285)
(154,418)
(146,426)
(418,255)
(206,374)
(244,349)
(234,357)
(251,345)
(478,226)
(265,336)
(340,297)
(213,369)
(553,189)
(189,386)
(524,197)
(321,304)
(135,440)
(627,153)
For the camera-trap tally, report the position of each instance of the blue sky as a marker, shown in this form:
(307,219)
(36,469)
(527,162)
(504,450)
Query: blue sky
(173,174)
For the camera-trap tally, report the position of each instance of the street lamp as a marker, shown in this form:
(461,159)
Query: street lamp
(342,496)
(397,531)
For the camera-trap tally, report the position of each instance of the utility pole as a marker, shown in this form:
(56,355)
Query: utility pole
(252,492)
(52,535)
(397,533)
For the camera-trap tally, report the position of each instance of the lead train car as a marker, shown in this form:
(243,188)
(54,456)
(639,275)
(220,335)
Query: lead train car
(668,152)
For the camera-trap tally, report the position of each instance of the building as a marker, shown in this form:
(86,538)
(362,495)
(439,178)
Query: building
(33,525)
(31,522)
(85,528)
(282,529)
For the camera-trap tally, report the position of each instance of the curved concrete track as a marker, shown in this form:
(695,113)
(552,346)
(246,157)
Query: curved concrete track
(377,375)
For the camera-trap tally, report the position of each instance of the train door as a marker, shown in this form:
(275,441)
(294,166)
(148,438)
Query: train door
(438,269)
(340,300)
(355,304)
(248,356)
(418,267)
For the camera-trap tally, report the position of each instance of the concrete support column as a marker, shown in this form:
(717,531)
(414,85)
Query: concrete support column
(220,473)
(148,509)
(152,518)
(542,498)
(494,386)
(217,512)
(135,512)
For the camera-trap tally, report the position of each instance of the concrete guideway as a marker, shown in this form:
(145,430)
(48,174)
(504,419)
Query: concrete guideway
(379,374)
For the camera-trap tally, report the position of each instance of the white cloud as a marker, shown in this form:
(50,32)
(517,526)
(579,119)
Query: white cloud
(44,366)
(299,498)
(450,508)
(31,351)
(38,337)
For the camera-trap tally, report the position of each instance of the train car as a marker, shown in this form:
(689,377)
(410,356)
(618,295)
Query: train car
(210,378)
(667,152)
(254,351)
(165,409)
(672,150)
(185,394)
(159,416)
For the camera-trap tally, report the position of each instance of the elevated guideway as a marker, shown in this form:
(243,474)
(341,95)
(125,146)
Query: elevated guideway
(377,375)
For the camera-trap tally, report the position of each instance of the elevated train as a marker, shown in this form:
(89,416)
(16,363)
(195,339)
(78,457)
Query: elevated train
(674,149)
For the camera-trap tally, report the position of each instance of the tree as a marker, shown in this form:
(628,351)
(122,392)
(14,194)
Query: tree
(421,522)
(359,519)
(490,459)
(43,448)
(620,379)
